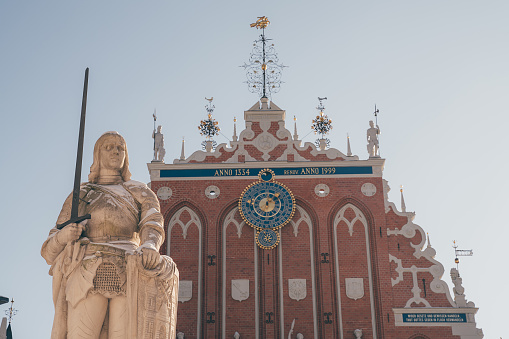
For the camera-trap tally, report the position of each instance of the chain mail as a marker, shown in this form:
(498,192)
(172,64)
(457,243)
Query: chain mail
(107,281)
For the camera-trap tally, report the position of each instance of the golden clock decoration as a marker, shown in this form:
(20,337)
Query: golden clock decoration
(267,205)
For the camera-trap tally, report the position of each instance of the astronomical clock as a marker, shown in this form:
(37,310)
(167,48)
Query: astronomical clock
(267,205)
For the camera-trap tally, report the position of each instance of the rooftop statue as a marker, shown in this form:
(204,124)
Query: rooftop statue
(159,150)
(109,280)
(372,138)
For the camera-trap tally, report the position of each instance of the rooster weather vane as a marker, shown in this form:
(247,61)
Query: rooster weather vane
(263,71)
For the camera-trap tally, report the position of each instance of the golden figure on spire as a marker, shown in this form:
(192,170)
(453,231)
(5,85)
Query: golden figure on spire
(262,22)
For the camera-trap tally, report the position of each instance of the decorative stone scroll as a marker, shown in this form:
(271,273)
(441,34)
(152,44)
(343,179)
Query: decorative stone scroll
(354,288)
(185,290)
(297,289)
(240,289)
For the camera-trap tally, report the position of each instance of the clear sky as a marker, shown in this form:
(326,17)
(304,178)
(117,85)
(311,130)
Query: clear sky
(437,71)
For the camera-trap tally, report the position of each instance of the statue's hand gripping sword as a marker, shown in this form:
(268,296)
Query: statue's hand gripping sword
(79,157)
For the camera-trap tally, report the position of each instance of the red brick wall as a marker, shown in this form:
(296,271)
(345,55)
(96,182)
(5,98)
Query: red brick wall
(296,262)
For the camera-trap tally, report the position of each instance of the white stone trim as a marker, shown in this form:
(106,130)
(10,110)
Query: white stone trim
(194,218)
(304,217)
(210,189)
(359,216)
(175,220)
(230,218)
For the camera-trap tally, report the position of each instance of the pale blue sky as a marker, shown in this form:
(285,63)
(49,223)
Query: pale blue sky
(436,69)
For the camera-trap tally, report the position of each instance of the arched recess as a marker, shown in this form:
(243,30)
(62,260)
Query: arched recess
(185,234)
(297,245)
(238,250)
(418,336)
(353,255)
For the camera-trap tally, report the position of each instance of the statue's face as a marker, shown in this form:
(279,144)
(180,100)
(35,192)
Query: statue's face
(112,153)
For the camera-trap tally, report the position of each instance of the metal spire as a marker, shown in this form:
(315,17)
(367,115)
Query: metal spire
(11,312)
(295,135)
(460,253)
(234,129)
(263,70)
(182,154)
(321,125)
(209,127)
(348,149)
(403,206)
(375,113)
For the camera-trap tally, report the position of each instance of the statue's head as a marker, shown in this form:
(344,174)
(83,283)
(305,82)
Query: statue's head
(371,124)
(159,128)
(110,152)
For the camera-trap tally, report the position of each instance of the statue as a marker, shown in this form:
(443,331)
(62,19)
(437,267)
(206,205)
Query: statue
(109,280)
(159,150)
(458,289)
(236,335)
(180,335)
(357,332)
(372,137)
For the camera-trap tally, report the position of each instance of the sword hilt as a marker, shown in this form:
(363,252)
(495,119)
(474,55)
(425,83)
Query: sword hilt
(74,221)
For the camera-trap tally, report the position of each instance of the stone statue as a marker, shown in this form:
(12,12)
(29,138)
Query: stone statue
(236,335)
(357,332)
(300,336)
(180,335)
(372,137)
(159,150)
(458,289)
(109,280)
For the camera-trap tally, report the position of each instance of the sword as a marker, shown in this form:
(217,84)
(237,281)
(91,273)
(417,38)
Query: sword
(79,157)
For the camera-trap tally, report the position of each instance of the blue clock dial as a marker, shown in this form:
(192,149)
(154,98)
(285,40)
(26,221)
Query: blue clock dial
(267,205)
(267,239)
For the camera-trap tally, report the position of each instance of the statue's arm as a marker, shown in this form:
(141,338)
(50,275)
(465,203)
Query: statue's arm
(53,246)
(57,239)
(151,224)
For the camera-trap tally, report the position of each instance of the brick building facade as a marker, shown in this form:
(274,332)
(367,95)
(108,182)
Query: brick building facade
(348,260)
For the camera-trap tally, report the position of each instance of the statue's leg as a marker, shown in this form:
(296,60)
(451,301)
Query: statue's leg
(118,318)
(86,319)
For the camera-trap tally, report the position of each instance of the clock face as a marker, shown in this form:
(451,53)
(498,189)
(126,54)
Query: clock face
(267,205)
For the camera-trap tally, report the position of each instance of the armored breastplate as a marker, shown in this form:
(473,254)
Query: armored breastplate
(115,214)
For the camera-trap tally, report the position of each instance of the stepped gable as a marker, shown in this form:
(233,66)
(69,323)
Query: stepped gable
(265,138)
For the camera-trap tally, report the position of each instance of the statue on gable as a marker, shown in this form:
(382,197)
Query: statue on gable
(372,138)
(159,150)
(109,280)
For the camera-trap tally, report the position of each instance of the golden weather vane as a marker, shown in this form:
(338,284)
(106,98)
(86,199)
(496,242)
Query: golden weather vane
(460,253)
(262,22)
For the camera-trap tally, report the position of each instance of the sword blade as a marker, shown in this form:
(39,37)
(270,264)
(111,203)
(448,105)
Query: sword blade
(79,156)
